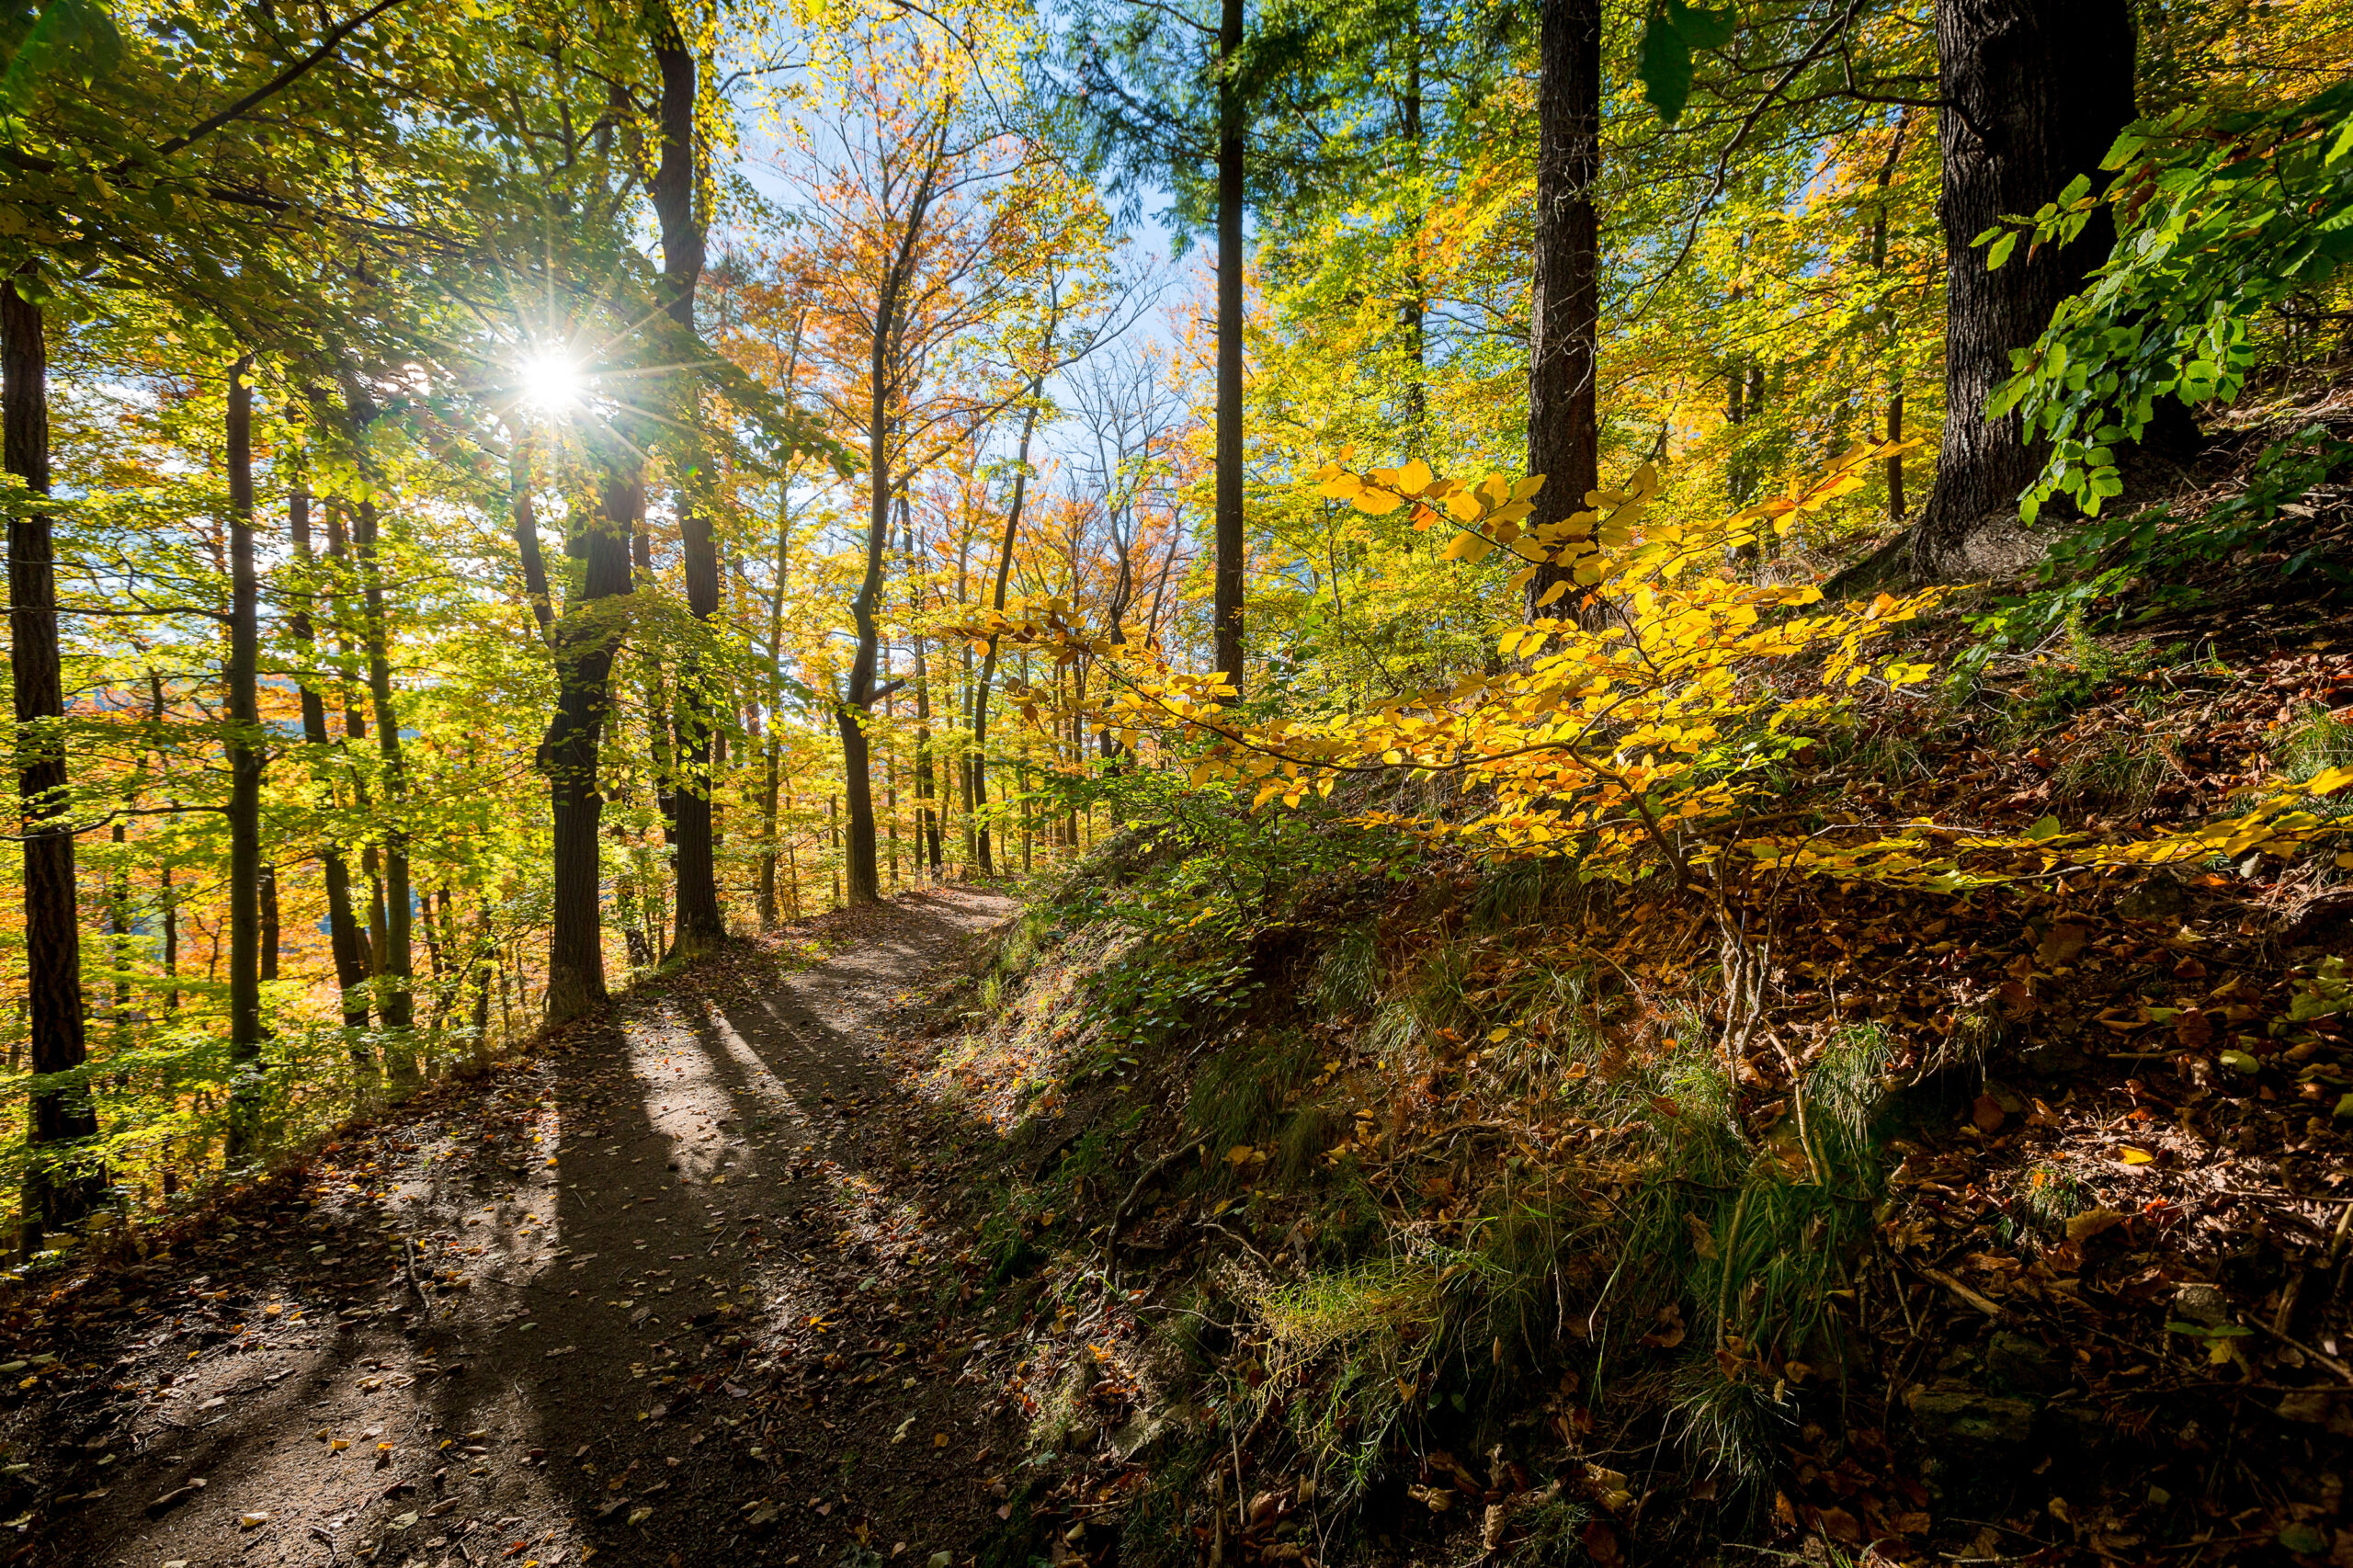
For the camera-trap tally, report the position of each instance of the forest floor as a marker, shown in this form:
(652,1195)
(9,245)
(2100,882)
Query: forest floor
(461,1334)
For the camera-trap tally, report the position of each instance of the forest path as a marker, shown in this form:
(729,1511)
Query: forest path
(659,1312)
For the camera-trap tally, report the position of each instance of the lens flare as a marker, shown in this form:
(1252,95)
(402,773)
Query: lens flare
(551,383)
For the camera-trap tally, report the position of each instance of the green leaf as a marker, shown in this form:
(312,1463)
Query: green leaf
(2044,828)
(1663,60)
(1700,28)
(2002,247)
(75,37)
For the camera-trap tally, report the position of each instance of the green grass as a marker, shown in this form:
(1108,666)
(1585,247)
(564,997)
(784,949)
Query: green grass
(1238,1093)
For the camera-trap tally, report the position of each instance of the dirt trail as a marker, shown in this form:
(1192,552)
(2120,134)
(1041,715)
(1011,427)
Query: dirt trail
(656,1314)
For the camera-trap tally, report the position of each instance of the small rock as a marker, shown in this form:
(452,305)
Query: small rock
(2160,895)
(2202,1303)
(1967,1417)
(2023,1364)
(2051,1058)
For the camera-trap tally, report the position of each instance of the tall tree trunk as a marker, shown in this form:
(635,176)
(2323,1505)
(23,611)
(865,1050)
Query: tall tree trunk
(165,897)
(583,662)
(859,870)
(772,733)
(270,930)
(345,941)
(1226,597)
(1413,311)
(2038,90)
(1563,436)
(699,924)
(59,1189)
(928,844)
(395,961)
(975,778)
(119,925)
(244,750)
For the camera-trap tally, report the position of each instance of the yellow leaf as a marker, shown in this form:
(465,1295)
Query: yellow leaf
(1551,595)
(1467,546)
(1527,487)
(1377,502)
(2136,1156)
(1415,477)
(2328,780)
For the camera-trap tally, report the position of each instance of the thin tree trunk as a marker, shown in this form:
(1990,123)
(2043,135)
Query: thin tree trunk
(245,752)
(164,895)
(270,930)
(396,959)
(1230,133)
(520,482)
(975,763)
(1564,438)
(118,927)
(58,1191)
(850,713)
(345,940)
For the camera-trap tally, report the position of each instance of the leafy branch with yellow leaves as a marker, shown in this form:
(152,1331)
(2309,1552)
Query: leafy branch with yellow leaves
(1645,731)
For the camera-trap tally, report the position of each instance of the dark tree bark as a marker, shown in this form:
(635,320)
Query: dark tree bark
(244,753)
(583,662)
(395,961)
(1563,436)
(1231,130)
(772,737)
(59,1189)
(2038,90)
(699,924)
(348,943)
(860,866)
(270,930)
(527,531)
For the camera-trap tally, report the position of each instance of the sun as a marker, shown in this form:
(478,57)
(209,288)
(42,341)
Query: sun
(551,382)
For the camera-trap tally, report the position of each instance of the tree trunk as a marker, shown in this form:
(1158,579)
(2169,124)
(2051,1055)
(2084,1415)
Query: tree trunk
(59,1191)
(520,482)
(859,870)
(119,925)
(700,925)
(345,940)
(270,930)
(975,780)
(2038,90)
(395,959)
(1563,436)
(244,750)
(1231,131)
(1413,311)
(583,662)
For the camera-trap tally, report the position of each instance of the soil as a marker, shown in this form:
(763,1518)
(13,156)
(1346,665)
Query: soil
(665,1292)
